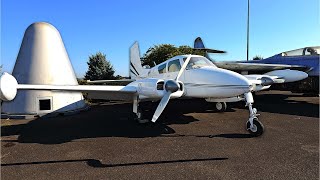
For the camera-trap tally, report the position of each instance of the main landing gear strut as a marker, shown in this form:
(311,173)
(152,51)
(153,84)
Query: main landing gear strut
(137,112)
(254,126)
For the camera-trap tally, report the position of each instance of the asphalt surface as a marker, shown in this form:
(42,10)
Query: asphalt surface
(190,141)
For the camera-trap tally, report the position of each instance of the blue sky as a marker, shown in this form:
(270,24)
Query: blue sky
(112,26)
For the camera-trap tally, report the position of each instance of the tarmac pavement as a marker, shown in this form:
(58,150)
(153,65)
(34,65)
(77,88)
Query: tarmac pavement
(189,141)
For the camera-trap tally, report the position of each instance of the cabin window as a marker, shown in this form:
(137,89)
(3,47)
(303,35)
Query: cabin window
(174,66)
(162,69)
(44,104)
(197,62)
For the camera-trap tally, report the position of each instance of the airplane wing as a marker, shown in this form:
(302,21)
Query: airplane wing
(107,81)
(81,88)
(240,66)
(9,87)
(257,67)
(93,91)
(264,81)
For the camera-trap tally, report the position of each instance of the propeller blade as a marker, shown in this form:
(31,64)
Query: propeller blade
(183,67)
(163,103)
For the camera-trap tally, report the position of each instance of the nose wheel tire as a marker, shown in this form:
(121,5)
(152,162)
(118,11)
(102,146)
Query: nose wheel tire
(257,129)
(221,106)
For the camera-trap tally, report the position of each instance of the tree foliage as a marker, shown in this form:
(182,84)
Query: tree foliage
(159,53)
(99,68)
(257,57)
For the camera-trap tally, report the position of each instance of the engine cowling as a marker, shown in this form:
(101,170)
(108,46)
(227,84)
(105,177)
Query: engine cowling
(289,75)
(156,88)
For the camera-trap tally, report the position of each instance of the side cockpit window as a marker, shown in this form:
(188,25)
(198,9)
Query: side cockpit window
(162,68)
(174,65)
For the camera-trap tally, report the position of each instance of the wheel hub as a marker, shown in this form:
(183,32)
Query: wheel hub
(219,106)
(253,128)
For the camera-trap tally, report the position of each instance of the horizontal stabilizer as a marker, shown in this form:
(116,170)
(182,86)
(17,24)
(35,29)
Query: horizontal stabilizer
(198,45)
(207,50)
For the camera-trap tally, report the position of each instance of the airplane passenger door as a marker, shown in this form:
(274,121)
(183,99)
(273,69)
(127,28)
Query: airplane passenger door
(174,67)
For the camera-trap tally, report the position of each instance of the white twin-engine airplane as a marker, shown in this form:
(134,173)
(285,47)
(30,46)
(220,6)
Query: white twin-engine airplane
(189,76)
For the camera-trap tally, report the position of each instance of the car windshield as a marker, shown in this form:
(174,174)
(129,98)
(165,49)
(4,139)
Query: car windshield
(198,62)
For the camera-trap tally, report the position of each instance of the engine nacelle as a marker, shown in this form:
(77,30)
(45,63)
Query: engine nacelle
(288,75)
(258,87)
(155,89)
(266,81)
(150,88)
(8,87)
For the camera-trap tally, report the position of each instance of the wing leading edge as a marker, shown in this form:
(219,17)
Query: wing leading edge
(237,66)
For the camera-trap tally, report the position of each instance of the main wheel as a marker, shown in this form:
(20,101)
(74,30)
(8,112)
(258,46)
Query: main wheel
(139,117)
(257,129)
(221,106)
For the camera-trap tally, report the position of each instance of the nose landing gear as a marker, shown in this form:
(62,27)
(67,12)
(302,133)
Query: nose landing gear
(256,129)
(254,126)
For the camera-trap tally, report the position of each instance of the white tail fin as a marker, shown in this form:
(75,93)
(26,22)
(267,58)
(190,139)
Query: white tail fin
(136,71)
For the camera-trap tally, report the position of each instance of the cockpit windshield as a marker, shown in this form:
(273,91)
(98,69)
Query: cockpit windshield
(307,51)
(198,62)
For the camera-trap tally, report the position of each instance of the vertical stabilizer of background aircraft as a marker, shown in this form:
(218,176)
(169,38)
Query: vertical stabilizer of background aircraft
(198,43)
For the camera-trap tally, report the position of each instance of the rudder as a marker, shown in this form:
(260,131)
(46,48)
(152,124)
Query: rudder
(136,71)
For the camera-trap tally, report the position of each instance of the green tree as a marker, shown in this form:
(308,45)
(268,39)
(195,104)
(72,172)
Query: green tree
(257,57)
(163,52)
(99,68)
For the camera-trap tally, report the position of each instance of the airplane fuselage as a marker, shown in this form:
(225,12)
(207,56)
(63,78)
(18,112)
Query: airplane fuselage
(201,79)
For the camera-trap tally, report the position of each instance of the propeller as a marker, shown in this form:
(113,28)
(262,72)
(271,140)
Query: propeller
(170,87)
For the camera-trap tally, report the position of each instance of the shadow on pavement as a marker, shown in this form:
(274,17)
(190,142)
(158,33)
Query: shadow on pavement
(112,120)
(97,164)
(100,121)
(280,104)
(231,135)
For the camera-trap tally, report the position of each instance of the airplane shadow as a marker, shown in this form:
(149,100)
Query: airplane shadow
(97,164)
(111,120)
(280,104)
(105,120)
(231,135)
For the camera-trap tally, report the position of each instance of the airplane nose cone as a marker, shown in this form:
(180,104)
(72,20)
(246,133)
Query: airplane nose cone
(235,84)
(217,83)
